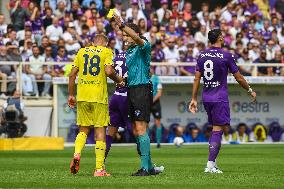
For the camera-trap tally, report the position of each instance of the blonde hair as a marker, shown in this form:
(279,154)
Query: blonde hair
(100,38)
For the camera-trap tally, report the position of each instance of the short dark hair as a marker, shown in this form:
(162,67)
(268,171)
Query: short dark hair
(213,35)
(134,27)
(10,27)
(13,92)
(48,47)
(85,27)
(60,47)
(111,39)
(13,30)
(45,37)
(239,42)
(241,124)
(48,8)
(35,46)
(8,43)
(93,2)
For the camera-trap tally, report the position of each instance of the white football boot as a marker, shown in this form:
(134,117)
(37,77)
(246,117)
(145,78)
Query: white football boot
(212,168)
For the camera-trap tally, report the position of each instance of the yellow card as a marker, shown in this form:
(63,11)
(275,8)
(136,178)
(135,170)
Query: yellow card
(110,13)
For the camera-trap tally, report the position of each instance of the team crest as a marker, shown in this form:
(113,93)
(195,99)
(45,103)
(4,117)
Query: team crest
(137,113)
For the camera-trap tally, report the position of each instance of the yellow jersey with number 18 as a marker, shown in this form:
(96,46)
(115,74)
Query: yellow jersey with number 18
(92,80)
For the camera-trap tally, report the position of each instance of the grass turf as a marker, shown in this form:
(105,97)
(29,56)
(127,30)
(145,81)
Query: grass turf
(244,166)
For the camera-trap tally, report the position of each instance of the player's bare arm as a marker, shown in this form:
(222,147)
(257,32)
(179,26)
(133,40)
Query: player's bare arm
(193,104)
(158,96)
(128,31)
(110,72)
(71,87)
(242,81)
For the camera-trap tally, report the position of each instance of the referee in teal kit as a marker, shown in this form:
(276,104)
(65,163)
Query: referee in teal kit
(140,97)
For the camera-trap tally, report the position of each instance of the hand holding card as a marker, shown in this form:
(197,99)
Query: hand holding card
(110,13)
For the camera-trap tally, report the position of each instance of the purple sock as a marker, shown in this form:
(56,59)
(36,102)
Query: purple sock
(108,144)
(214,145)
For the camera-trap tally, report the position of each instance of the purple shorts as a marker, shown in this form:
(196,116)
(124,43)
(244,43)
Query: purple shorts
(218,113)
(118,111)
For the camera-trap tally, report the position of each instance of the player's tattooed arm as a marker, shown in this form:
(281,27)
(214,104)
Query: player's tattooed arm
(193,104)
(242,81)
(110,72)
(71,87)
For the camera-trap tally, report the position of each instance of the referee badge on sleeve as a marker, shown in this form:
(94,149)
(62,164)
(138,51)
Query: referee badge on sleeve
(137,113)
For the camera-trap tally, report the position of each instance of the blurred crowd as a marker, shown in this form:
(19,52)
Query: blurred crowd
(192,133)
(241,134)
(54,30)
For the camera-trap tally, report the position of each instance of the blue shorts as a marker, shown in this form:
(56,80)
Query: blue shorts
(218,113)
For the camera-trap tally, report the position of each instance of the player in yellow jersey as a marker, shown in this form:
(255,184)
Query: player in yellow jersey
(92,65)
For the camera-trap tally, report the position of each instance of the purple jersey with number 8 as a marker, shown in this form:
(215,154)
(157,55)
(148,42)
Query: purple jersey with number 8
(214,64)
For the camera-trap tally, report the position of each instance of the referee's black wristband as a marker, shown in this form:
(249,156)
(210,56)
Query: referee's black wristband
(122,26)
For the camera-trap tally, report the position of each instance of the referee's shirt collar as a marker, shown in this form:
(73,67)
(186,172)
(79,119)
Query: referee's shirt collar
(131,48)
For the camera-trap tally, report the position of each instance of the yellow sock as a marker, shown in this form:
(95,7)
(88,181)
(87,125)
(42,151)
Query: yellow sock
(100,150)
(80,142)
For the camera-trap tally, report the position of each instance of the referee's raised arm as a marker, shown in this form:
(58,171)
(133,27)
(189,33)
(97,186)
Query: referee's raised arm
(134,35)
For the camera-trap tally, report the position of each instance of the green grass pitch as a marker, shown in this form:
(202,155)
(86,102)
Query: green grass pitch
(244,166)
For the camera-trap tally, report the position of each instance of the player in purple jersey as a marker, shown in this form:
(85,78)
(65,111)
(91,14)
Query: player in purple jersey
(118,104)
(37,25)
(213,65)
